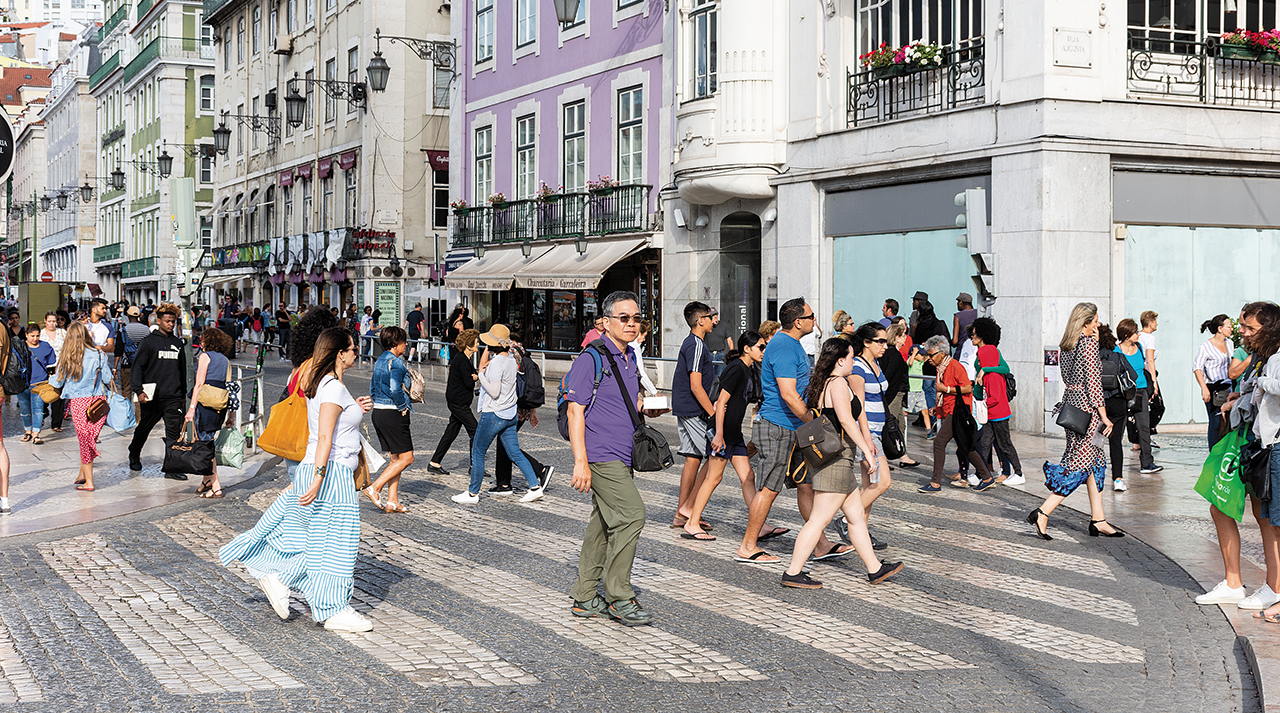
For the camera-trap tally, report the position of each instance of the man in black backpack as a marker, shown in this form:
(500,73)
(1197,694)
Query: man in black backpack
(526,411)
(159,368)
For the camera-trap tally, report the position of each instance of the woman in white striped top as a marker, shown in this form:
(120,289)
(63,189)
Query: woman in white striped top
(870,386)
(1211,363)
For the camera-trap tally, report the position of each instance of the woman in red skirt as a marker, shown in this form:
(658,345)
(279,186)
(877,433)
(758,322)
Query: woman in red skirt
(83,374)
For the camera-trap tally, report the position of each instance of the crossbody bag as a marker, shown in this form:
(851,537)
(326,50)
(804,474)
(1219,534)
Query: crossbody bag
(649,449)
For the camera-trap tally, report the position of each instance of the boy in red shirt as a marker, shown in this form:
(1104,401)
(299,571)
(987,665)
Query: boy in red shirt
(998,413)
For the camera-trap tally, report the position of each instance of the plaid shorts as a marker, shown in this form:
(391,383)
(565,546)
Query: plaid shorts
(773,452)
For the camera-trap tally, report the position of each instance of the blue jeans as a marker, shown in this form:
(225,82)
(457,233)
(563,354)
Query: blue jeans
(930,392)
(32,408)
(489,428)
(1215,423)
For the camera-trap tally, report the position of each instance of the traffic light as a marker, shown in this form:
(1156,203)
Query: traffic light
(977,239)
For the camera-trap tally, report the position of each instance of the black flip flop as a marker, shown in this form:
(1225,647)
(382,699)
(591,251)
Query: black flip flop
(755,559)
(776,532)
(701,536)
(834,553)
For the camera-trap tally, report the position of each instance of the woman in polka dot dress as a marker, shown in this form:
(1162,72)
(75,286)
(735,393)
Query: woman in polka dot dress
(1082,387)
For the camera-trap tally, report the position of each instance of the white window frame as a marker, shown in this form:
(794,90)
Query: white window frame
(485,31)
(353,73)
(326,201)
(482,146)
(526,158)
(573,146)
(330,103)
(629,121)
(207,93)
(308,205)
(526,23)
(255,38)
(351,201)
(240,41)
(704,37)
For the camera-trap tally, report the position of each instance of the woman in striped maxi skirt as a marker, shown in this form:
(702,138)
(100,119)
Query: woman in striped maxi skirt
(307,540)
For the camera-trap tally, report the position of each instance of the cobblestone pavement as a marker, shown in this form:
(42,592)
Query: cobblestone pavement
(471,612)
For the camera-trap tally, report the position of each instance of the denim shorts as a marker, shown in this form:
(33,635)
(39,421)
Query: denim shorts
(1275,485)
(930,393)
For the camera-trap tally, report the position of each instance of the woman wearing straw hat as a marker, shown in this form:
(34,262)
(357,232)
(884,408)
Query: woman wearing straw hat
(498,419)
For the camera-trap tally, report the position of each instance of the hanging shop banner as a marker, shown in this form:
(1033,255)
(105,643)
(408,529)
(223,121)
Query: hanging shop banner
(223,257)
(386,297)
(6,150)
(439,160)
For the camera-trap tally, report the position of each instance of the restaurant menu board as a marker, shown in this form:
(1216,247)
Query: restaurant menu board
(386,298)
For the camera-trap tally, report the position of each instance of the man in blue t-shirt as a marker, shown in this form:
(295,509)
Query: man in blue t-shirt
(784,378)
(691,404)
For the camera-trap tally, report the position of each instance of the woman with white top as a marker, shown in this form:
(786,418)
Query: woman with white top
(638,346)
(307,540)
(55,336)
(1213,358)
(498,416)
(869,384)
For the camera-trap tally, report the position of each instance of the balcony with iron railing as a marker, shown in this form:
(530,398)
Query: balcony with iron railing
(168,48)
(141,267)
(900,91)
(1208,72)
(112,63)
(608,211)
(106,253)
(144,6)
(116,18)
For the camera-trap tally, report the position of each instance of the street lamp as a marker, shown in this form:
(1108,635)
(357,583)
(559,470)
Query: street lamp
(62,201)
(566,10)
(378,72)
(44,204)
(526,248)
(479,251)
(86,192)
(295,107)
(222,138)
(165,164)
(580,243)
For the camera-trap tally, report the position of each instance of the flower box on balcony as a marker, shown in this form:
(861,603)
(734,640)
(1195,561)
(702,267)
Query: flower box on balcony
(462,211)
(1270,56)
(552,198)
(499,205)
(1228,51)
(605,191)
(890,70)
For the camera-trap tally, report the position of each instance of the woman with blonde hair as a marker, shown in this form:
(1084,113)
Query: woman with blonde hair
(83,374)
(1081,373)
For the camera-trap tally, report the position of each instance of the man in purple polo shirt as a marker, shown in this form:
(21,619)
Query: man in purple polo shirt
(600,432)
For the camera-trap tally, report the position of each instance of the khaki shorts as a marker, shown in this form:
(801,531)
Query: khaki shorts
(693,437)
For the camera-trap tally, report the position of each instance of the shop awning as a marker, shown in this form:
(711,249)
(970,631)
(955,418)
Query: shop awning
(222,279)
(564,269)
(494,270)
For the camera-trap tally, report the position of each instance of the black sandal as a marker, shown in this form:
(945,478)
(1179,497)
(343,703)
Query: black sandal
(1033,519)
(205,486)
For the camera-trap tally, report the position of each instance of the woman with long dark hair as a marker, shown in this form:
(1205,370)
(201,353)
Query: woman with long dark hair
(1081,373)
(1115,368)
(307,539)
(459,392)
(928,325)
(1260,414)
(729,443)
(1129,346)
(83,374)
(836,487)
(1213,359)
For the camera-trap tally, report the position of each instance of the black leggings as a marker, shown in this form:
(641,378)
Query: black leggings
(1118,412)
(460,416)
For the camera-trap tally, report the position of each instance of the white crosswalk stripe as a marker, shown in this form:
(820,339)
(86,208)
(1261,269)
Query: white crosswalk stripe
(856,644)
(648,650)
(425,652)
(185,649)
(1012,629)
(17,683)
(991,522)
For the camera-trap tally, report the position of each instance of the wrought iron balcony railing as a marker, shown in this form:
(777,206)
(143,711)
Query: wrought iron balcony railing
(898,91)
(141,267)
(620,209)
(116,18)
(168,48)
(1203,72)
(112,63)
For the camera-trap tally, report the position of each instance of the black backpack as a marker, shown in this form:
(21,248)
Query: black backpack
(1010,386)
(531,392)
(17,372)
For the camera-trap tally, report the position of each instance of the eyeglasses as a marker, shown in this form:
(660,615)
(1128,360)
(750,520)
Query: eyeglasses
(627,318)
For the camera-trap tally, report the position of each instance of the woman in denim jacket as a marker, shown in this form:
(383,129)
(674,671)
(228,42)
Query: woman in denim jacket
(83,375)
(391,416)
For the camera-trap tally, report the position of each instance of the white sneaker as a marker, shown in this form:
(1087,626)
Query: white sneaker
(1015,480)
(466,498)
(973,479)
(1221,594)
(533,494)
(277,594)
(1118,485)
(4,506)
(348,620)
(1262,598)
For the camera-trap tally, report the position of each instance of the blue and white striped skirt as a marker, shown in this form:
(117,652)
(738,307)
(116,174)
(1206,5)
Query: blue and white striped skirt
(312,549)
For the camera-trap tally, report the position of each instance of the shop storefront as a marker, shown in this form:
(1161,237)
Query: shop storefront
(551,297)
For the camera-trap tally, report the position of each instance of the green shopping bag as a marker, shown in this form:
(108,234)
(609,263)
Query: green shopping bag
(1219,481)
(229,448)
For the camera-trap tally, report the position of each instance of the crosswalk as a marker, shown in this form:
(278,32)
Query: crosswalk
(188,652)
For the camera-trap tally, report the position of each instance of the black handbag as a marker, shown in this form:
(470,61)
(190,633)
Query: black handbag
(1255,469)
(1074,418)
(820,442)
(185,455)
(895,446)
(649,449)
